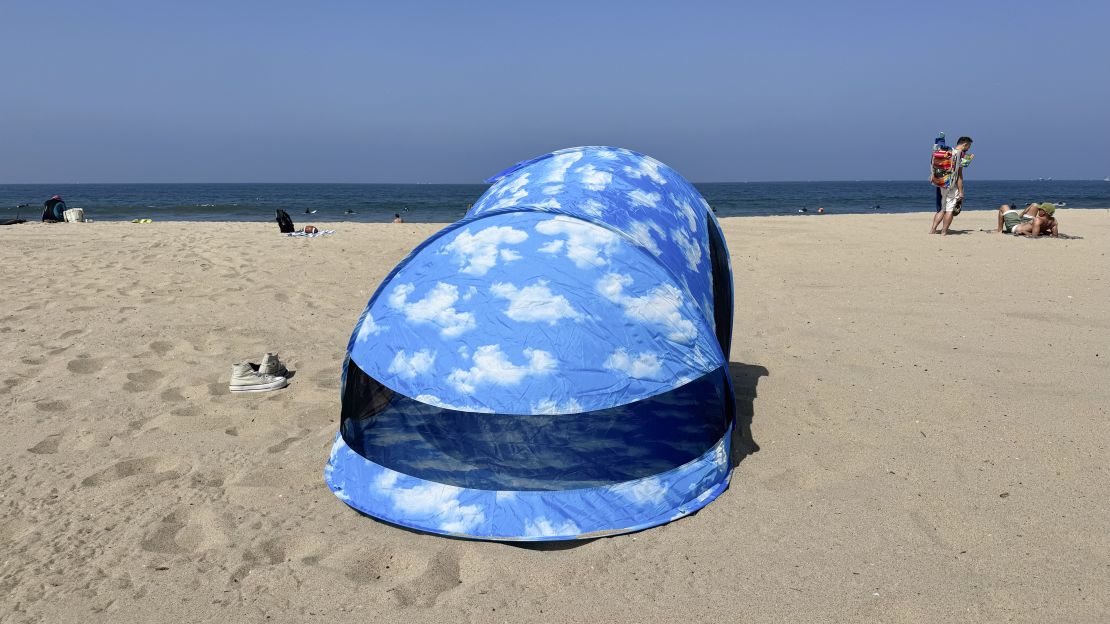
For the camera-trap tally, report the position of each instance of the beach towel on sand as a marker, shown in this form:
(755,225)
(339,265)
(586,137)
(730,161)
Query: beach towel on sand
(311,234)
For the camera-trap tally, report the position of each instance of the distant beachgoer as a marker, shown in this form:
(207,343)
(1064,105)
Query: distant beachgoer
(54,209)
(397,218)
(1009,217)
(1037,220)
(952,198)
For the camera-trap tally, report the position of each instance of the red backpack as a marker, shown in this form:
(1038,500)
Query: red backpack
(943,166)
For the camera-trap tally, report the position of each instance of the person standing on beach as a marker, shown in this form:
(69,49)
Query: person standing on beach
(952,196)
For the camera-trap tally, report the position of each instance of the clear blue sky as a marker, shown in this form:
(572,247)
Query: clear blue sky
(455,91)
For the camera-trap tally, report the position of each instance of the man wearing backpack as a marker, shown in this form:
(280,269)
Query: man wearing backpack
(952,195)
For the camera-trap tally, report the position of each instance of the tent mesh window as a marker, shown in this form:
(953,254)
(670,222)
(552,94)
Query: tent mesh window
(532,452)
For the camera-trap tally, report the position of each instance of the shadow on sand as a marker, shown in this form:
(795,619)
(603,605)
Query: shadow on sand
(745,378)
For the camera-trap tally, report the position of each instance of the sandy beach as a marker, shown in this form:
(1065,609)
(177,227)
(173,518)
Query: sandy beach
(933,417)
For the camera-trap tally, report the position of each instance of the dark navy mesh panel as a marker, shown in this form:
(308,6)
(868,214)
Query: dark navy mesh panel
(534,452)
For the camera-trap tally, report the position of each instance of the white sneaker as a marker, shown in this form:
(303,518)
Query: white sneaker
(271,365)
(245,379)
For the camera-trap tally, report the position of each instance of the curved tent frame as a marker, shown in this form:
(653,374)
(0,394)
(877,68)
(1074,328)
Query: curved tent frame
(553,366)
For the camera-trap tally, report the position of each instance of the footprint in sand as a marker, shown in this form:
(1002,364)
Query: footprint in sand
(327,380)
(161,347)
(85,364)
(284,444)
(364,567)
(32,361)
(275,551)
(212,479)
(48,446)
(52,406)
(142,380)
(441,575)
(10,383)
(71,333)
(172,395)
(186,532)
(130,468)
(161,538)
(189,411)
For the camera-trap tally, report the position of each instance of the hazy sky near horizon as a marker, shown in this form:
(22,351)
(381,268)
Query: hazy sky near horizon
(253,91)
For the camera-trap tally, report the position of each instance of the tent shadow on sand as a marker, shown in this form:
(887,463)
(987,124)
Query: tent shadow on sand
(745,378)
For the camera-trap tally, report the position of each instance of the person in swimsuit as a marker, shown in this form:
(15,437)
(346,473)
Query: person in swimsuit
(1009,217)
(1035,220)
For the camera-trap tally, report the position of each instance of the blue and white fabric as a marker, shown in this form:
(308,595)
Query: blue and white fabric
(552,359)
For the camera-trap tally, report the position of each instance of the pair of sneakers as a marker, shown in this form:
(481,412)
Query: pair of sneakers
(250,377)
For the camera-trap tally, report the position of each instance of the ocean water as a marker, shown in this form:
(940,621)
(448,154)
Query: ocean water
(444,203)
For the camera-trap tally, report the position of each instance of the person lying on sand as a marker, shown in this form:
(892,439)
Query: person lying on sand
(1009,217)
(1035,220)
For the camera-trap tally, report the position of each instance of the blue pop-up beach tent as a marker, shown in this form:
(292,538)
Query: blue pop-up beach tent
(553,366)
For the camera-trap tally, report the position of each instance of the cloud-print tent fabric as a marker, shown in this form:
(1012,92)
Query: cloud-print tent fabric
(552,366)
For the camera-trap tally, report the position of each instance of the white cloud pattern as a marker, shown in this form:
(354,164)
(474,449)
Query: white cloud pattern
(409,367)
(368,328)
(593,207)
(641,231)
(535,303)
(661,306)
(510,192)
(542,527)
(491,366)
(587,245)
(478,253)
(644,365)
(552,407)
(439,501)
(560,163)
(432,399)
(594,179)
(691,250)
(648,167)
(644,491)
(687,211)
(436,308)
(642,198)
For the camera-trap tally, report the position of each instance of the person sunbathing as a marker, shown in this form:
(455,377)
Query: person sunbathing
(1035,220)
(1009,217)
